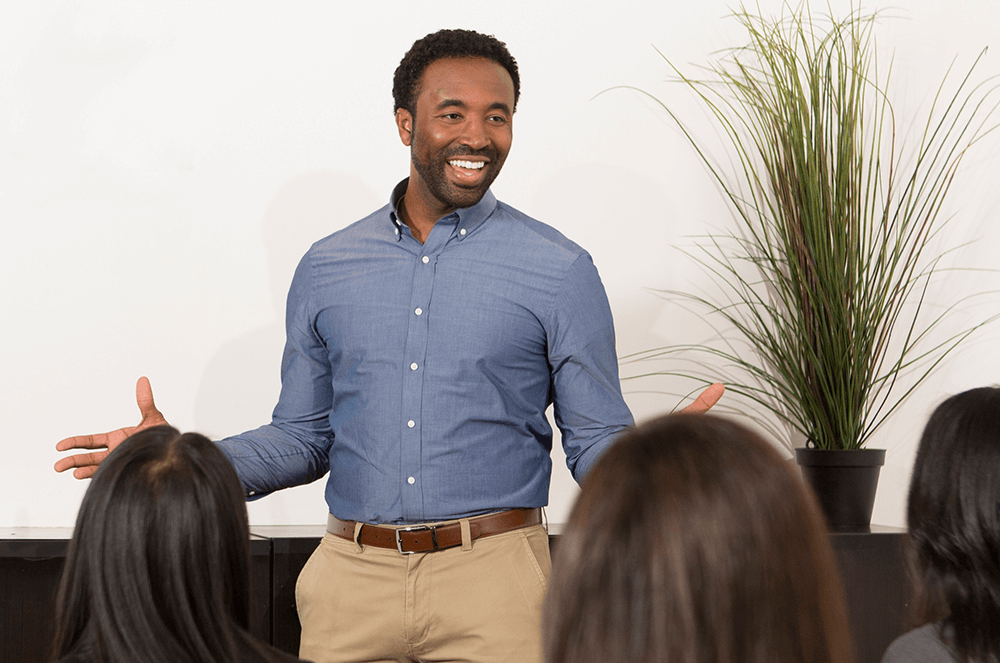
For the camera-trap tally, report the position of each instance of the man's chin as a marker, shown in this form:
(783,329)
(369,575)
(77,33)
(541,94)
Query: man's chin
(460,197)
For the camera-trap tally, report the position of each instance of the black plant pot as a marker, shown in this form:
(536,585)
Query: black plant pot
(844,481)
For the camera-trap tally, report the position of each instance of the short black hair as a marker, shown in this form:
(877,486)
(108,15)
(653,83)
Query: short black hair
(447,44)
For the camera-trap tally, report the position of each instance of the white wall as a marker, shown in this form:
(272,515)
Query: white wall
(164,164)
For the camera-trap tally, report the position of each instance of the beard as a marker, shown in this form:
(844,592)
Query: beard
(432,172)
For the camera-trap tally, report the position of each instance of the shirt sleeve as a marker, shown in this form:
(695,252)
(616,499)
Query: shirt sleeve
(586,393)
(294,448)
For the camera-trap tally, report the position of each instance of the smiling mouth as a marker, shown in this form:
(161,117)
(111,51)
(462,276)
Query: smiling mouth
(470,165)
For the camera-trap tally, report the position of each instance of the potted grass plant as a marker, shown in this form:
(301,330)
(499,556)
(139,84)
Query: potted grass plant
(836,240)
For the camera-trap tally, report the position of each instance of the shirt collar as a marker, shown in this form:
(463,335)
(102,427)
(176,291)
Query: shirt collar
(469,218)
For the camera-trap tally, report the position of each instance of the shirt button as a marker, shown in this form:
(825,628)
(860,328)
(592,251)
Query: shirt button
(411,481)
(397,231)
(425,260)
(413,366)
(411,423)
(419,311)
(462,231)
(251,493)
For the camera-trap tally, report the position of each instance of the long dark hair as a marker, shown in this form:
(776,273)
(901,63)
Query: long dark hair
(953,516)
(158,566)
(693,541)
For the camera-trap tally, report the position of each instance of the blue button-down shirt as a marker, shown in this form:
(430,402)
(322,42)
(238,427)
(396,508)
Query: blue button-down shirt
(418,375)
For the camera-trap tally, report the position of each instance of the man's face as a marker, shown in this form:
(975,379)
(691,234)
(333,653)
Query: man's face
(462,132)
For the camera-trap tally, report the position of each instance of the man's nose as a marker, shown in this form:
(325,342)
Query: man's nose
(474,134)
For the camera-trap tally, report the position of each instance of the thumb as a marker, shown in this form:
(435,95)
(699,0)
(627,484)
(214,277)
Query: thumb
(147,408)
(706,399)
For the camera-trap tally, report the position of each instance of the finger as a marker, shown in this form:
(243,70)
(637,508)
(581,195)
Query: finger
(706,399)
(80,461)
(147,407)
(83,442)
(84,472)
(144,395)
(107,440)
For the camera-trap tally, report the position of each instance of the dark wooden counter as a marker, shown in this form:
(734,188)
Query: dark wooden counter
(30,562)
(870,562)
(876,588)
(31,559)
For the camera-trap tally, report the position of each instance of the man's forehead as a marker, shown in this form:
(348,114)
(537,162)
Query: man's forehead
(459,77)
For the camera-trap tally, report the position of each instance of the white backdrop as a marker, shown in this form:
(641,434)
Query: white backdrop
(163,165)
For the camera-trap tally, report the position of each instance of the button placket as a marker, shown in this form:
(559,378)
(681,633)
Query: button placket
(415,352)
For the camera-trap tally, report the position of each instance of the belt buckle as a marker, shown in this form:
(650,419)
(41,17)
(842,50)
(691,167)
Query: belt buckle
(416,528)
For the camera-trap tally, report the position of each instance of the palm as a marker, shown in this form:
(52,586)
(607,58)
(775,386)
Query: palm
(86,463)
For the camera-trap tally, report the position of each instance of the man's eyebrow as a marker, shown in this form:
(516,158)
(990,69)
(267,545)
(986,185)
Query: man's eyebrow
(499,105)
(449,103)
(458,103)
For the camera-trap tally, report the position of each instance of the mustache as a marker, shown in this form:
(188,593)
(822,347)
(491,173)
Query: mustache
(485,152)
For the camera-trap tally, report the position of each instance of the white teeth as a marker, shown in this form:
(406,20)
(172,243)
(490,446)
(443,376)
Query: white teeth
(474,165)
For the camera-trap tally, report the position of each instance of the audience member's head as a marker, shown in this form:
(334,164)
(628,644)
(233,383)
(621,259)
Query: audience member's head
(693,541)
(158,567)
(953,515)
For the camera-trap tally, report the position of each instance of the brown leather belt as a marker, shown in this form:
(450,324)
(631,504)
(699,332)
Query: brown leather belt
(411,539)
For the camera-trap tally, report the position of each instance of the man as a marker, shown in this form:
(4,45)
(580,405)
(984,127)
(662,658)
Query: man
(424,344)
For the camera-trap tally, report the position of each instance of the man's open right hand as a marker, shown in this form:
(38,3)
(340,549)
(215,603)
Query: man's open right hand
(86,463)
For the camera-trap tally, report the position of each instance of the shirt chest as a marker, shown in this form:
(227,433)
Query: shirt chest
(448,310)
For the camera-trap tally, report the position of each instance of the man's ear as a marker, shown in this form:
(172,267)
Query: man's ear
(404,123)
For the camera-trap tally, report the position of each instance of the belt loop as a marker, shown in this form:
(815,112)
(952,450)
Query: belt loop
(466,534)
(357,533)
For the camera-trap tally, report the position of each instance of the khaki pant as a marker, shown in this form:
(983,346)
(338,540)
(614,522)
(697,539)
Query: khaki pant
(480,603)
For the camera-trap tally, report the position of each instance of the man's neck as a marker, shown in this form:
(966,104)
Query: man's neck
(420,226)
(419,213)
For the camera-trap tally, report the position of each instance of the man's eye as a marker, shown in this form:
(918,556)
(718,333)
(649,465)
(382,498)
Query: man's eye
(451,116)
(497,119)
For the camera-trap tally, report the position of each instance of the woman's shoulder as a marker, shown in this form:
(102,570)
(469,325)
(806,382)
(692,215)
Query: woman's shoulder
(921,645)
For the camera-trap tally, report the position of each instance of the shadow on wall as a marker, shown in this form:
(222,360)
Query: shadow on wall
(241,382)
